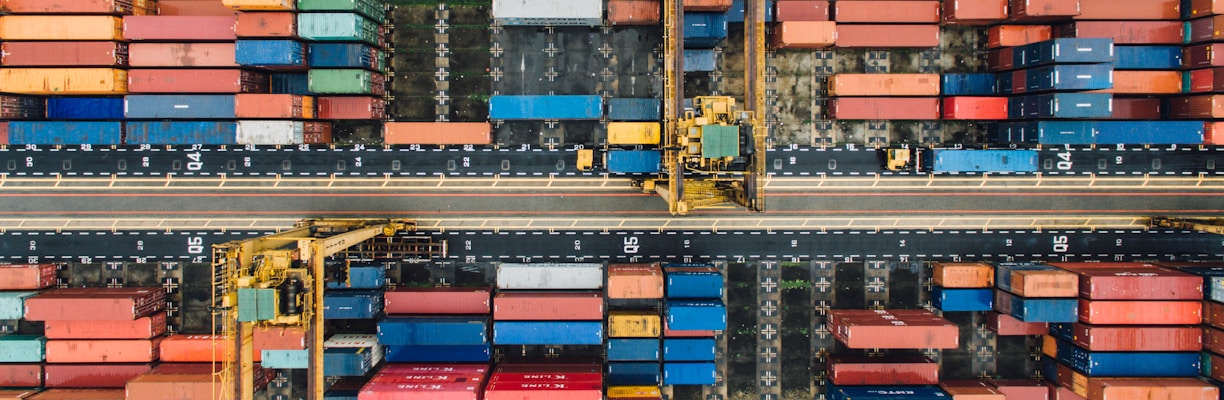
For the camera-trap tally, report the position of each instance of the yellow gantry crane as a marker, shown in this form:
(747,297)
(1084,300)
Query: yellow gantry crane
(278,280)
(1208,225)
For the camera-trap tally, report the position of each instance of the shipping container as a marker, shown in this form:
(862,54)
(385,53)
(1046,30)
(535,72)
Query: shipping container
(633,133)
(545,107)
(271,53)
(950,300)
(908,392)
(804,35)
(706,5)
(633,349)
(22,394)
(1130,338)
(708,314)
(689,349)
(1206,80)
(1137,108)
(979,161)
(193,8)
(102,351)
(572,276)
(179,28)
(699,60)
(360,277)
(693,281)
(634,392)
(22,348)
(634,12)
(445,391)
(1016,35)
(1125,32)
(61,27)
(337,27)
(102,375)
(140,328)
(974,108)
(12,304)
(273,106)
(63,81)
(895,370)
(181,132)
(290,83)
(346,81)
(791,10)
(437,133)
(1204,30)
(317,132)
(974,12)
(1023,389)
(678,373)
(372,9)
(1140,312)
(1082,77)
(883,85)
(892,329)
(633,373)
(1007,325)
(1146,82)
(180,107)
(704,30)
(1001,60)
(635,281)
(1203,55)
(437,301)
(1129,9)
(548,390)
(352,304)
(735,14)
(548,333)
(181,55)
(21,375)
(266,24)
(350,107)
(1064,105)
(630,324)
(884,108)
(1124,364)
(192,348)
(1197,107)
(27,276)
(968,84)
(962,275)
(64,54)
(345,55)
(547,306)
(1123,388)
(449,353)
(1029,309)
(1043,9)
(183,386)
(900,36)
(285,359)
(633,109)
(1036,280)
(95,304)
(909,11)
(84,108)
(546,12)
(350,361)
(1142,283)
(1147,57)
(433,331)
(1149,132)
(973,390)
(74,6)
(196,81)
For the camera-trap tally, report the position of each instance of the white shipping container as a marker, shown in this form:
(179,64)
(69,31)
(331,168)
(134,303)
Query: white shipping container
(356,340)
(271,132)
(550,276)
(12,304)
(548,12)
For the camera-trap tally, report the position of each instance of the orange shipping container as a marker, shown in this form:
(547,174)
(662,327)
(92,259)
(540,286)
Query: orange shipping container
(1044,9)
(140,328)
(707,5)
(191,348)
(266,24)
(279,338)
(1151,388)
(194,7)
(181,55)
(1016,35)
(635,281)
(80,394)
(633,12)
(61,27)
(963,275)
(1007,325)
(259,105)
(883,85)
(547,306)
(1130,9)
(437,133)
(54,81)
(971,390)
(974,12)
(178,387)
(1200,8)
(260,5)
(804,34)
(870,35)
(90,351)
(1213,133)
(1145,82)
(1044,283)
(64,54)
(907,11)
(77,6)
(1140,312)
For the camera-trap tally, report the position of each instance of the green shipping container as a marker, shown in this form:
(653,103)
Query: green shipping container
(337,27)
(12,304)
(343,81)
(22,348)
(284,359)
(374,9)
(719,141)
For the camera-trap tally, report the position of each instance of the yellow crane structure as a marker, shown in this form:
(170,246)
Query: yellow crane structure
(278,280)
(1208,225)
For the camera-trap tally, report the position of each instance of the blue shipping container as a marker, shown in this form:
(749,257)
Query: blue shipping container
(693,315)
(361,277)
(633,349)
(1049,369)
(994,161)
(915,392)
(12,306)
(1149,132)
(433,331)
(284,359)
(1039,309)
(290,83)
(970,84)
(632,374)
(1065,51)
(1147,57)
(352,304)
(342,55)
(633,109)
(704,30)
(65,132)
(735,14)
(694,285)
(85,108)
(1069,77)
(689,374)
(689,349)
(175,106)
(1071,105)
(449,354)
(545,107)
(273,53)
(1048,132)
(699,60)
(351,361)
(181,132)
(962,299)
(22,348)
(1003,82)
(1128,364)
(633,161)
(548,332)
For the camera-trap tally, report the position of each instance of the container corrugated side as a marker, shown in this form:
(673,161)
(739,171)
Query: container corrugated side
(547,306)
(58,81)
(350,107)
(64,54)
(910,392)
(1181,389)
(545,107)
(790,11)
(633,281)
(1016,35)
(372,9)
(884,85)
(974,12)
(194,8)
(266,24)
(180,107)
(1125,364)
(260,5)
(915,12)
(21,375)
(433,331)
(1125,32)
(548,333)
(1149,132)
(431,354)
(633,161)
(437,133)
(140,328)
(1065,51)
(184,80)
(963,275)
(352,304)
(550,276)
(333,27)
(994,161)
(95,304)
(181,132)
(1036,309)
(700,60)
(633,109)
(99,375)
(65,132)
(344,55)
(633,373)
(273,106)
(689,349)
(182,55)
(544,12)
(633,12)
(872,35)
(27,276)
(12,304)
(437,301)
(704,30)
(696,315)
(270,53)
(1036,280)
(626,324)
(270,132)
(22,348)
(804,35)
(884,108)
(72,6)
(179,28)
(1007,325)
(1147,57)
(1130,338)
(85,108)
(894,370)
(689,374)
(61,27)
(962,299)
(1129,9)
(635,349)
(191,348)
(1140,312)
(102,351)
(892,329)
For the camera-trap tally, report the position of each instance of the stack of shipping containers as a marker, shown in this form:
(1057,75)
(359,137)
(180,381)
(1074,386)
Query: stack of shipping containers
(694,314)
(21,360)
(354,353)
(801,25)
(963,287)
(268,41)
(883,96)
(705,27)
(853,374)
(634,122)
(634,293)
(1202,60)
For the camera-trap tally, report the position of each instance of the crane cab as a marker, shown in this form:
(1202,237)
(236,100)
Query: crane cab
(899,159)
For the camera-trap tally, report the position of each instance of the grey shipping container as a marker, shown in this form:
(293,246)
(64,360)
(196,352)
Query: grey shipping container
(631,109)
(65,132)
(176,106)
(550,276)
(548,12)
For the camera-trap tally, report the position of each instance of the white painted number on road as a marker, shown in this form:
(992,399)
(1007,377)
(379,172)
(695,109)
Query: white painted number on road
(1064,161)
(631,245)
(195,245)
(194,162)
(1061,244)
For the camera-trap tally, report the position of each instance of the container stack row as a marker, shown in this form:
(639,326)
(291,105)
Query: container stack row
(633,352)
(549,305)
(694,313)
(963,287)
(874,24)
(1212,356)
(883,96)
(1203,76)
(21,361)
(853,372)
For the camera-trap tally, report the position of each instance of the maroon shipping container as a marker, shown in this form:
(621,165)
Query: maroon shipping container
(316,132)
(870,35)
(20,375)
(974,12)
(1021,389)
(64,54)
(26,276)
(109,375)
(893,329)
(1019,81)
(102,351)
(1140,312)
(1137,338)
(1213,339)
(1207,80)
(22,107)
(1204,29)
(95,304)
(886,11)
(1137,108)
(1006,325)
(1203,55)
(801,10)
(4,132)
(181,80)
(1197,107)
(1031,10)
(1000,59)
(883,371)
(884,108)
(81,394)
(140,328)
(1138,284)
(1125,32)
(438,301)
(1213,314)
(351,107)
(548,306)
(1199,8)
(179,28)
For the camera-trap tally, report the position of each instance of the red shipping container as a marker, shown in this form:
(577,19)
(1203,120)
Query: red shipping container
(1203,55)
(438,301)
(1140,312)
(1197,107)
(1151,388)
(893,329)
(1044,9)
(707,5)
(634,12)
(1207,80)
(109,375)
(546,376)
(279,338)
(182,55)
(1126,32)
(906,11)
(801,10)
(81,394)
(1019,81)
(883,371)
(1213,133)
(64,54)
(19,394)
(194,8)
(1204,29)
(974,108)
(26,276)
(1138,284)
(1200,8)
(431,391)
(974,12)
(179,28)
(20,375)
(1016,35)
(1131,338)
(182,80)
(804,35)
(971,390)
(70,6)
(1213,339)
(429,377)
(140,328)
(273,106)
(1006,325)
(1137,108)
(544,391)
(316,132)
(95,304)
(102,351)
(4,132)
(1000,59)
(351,107)
(547,306)
(1130,9)
(869,35)
(884,108)
(1022,389)
(266,24)
(191,348)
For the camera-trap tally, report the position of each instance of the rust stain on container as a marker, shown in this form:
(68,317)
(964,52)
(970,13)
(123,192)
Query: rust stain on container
(1140,312)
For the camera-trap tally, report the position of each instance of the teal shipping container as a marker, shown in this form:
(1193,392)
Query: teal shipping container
(12,304)
(22,348)
(372,9)
(285,359)
(337,27)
